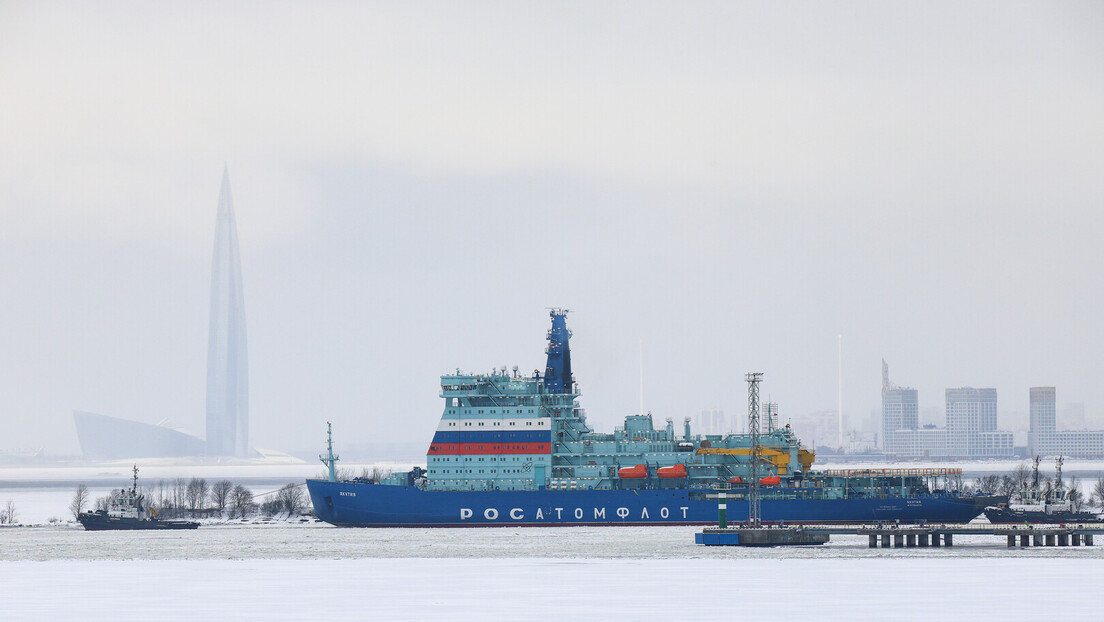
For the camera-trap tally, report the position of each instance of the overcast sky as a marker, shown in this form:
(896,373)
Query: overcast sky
(415,183)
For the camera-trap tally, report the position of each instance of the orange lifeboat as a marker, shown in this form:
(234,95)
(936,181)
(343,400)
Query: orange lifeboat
(678,470)
(770,480)
(736,480)
(639,471)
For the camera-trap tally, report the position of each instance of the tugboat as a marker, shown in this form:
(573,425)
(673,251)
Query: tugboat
(1035,504)
(129,510)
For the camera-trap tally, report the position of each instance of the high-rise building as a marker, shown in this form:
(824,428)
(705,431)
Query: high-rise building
(227,364)
(1042,425)
(900,411)
(970,414)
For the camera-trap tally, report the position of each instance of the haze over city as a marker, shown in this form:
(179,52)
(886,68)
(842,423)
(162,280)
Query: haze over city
(415,185)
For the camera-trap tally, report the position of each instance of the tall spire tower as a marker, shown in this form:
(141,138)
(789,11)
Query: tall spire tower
(227,358)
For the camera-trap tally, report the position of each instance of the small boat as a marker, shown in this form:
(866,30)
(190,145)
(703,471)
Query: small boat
(129,510)
(1035,504)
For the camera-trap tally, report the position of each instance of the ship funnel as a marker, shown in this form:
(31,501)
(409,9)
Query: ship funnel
(557,372)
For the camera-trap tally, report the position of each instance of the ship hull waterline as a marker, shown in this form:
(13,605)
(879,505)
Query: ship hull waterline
(352,504)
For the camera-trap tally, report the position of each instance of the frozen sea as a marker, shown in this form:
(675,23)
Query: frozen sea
(309,571)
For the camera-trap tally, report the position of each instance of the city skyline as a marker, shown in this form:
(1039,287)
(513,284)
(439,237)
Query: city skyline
(924,183)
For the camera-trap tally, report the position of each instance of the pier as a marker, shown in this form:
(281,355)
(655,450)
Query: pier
(903,536)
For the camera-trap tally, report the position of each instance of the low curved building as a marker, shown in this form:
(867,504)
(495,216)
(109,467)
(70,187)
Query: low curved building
(112,438)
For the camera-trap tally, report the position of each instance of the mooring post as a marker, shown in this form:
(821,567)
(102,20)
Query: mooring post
(1075,539)
(898,541)
(1050,539)
(924,539)
(1024,539)
(1036,540)
(935,538)
(873,541)
(1011,540)
(1063,539)
(885,540)
(1088,539)
(948,539)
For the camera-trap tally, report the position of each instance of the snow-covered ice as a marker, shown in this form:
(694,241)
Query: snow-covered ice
(553,589)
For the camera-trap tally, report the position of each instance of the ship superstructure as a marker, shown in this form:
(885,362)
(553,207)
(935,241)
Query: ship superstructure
(503,431)
(511,446)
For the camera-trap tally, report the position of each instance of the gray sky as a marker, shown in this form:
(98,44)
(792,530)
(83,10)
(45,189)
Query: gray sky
(733,184)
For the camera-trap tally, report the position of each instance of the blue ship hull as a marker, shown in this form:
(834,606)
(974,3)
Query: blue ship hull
(353,504)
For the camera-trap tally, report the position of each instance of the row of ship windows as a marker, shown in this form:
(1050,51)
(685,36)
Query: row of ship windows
(494,424)
(433,471)
(513,459)
(468,411)
(466,447)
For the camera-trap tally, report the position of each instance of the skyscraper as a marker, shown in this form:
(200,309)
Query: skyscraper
(227,364)
(900,411)
(1042,428)
(971,413)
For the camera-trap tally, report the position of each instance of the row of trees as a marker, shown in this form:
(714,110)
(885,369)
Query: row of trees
(196,498)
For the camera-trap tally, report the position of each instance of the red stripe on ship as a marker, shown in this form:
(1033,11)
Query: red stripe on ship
(489,448)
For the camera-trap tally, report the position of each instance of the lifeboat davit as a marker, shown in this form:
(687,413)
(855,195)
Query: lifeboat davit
(770,480)
(639,471)
(678,470)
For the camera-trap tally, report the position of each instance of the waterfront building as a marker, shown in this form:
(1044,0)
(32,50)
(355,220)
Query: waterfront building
(1042,426)
(1044,438)
(1079,443)
(112,438)
(970,413)
(899,412)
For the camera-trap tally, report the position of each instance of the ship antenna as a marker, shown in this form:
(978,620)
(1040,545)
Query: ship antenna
(753,380)
(329,459)
(1058,473)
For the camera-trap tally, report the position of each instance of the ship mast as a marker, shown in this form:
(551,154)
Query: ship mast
(753,380)
(135,488)
(329,459)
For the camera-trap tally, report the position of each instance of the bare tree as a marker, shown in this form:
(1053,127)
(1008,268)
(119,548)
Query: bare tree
(178,495)
(8,514)
(378,474)
(220,494)
(1021,474)
(241,501)
(196,494)
(1098,492)
(987,485)
(1008,485)
(80,499)
(1076,497)
(291,499)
